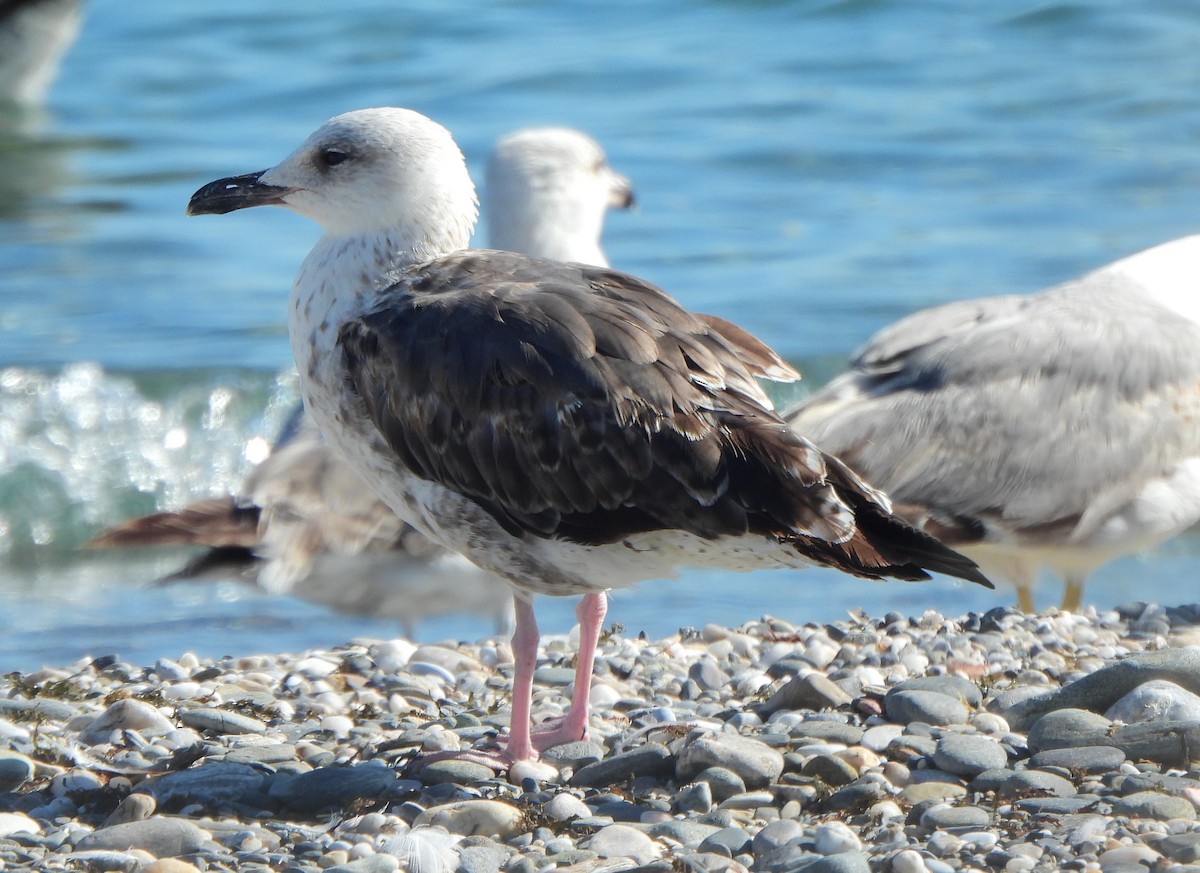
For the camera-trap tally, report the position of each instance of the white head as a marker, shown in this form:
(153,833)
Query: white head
(384,171)
(547,192)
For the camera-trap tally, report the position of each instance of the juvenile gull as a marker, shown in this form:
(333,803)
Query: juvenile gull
(569,428)
(305,524)
(1057,430)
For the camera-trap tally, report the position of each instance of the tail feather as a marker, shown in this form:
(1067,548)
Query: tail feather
(219,522)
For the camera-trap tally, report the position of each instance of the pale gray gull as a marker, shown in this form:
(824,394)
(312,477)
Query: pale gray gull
(34,36)
(304,523)
(569,428)
(1058,430)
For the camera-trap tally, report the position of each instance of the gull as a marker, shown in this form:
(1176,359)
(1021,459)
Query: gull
(1057,430)
(569,428)
(34,36)
(305,523)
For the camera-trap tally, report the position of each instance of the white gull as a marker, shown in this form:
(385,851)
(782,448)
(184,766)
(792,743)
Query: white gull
(569,428)
(305,524)
(34,36)
(1057,430)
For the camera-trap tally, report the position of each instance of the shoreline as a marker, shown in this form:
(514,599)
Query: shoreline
(983,742)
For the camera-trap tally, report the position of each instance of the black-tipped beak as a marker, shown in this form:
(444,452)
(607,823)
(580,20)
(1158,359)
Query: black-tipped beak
(625,199)
(236,192)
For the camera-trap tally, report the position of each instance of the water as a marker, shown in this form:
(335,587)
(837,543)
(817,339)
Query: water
(812,170)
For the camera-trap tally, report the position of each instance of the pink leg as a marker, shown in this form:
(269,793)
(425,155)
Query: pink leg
(574,726)
(525,644)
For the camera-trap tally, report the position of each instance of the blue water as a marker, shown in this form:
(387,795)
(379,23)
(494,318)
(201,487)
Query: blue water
(812,170)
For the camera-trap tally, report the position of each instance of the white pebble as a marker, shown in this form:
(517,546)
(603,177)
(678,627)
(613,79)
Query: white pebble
(835,838)
(908,861)
(338,725)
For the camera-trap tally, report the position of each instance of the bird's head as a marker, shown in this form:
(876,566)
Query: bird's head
(364,172)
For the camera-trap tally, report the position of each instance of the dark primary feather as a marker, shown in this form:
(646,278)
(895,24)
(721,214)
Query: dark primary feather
(581,403)
(220,522)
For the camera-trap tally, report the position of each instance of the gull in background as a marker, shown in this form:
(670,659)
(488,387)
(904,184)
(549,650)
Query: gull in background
(34,36)
(1059,430)
(305,523)
(569,428)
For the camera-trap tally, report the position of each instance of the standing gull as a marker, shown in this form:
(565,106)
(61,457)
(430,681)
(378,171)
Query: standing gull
(569,428)
(305,523)
(1056,430)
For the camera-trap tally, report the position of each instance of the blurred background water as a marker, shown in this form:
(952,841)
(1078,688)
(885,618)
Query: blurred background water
(811,170)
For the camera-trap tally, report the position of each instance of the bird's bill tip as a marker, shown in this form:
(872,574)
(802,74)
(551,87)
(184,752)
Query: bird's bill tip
(235,192)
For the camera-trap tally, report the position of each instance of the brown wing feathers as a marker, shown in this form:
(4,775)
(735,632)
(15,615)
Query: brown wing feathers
(582,403)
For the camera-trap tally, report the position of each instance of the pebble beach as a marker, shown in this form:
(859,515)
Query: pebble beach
(998,741)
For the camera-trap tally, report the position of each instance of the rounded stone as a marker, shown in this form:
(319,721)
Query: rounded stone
(952,817)
(623,841)
(1023,783)
(123,715)
(455,771)
(565,806)
(1156,700)
(135,807)
(1081,759)
(968,755)
(757,763)
(931,707)
(722,783)
(1065,728)
(490,818)
(835,838)
(162,837)
(1155,805)
(830,769)
(15,771)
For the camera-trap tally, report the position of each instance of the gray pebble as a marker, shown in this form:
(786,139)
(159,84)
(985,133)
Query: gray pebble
(333,787)
(730,841)
(830,769)
(371,864)
(559,677)
(1099,690)
(775,834)
(162,837)
(1152,804)
(15,771)
(123,715)
(481,859)
(211,784)
(134,807)
(952,686)
(622,841)
(652,759)
(55,710)
(1027,782)
(832,731)
(1081,759)
(968,754)
(952,817)
(694,798)
(686,831)
(220,721)
(811,691)
(722,783)
(1156,699)
(1181,848)
(757,763)
(104,861)
(1056,805)
(457,771)
(708,675)
(932,707)
(575,755)
(1065,728)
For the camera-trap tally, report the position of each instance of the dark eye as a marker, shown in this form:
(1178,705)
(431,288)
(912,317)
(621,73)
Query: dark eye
(332,157)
